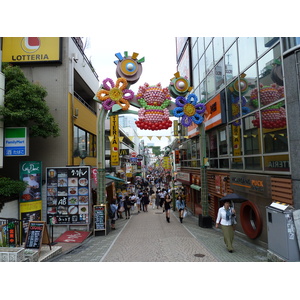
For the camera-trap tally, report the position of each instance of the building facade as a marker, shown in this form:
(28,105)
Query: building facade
(250,86)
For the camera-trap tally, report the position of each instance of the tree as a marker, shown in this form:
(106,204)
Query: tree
(24,105)
(155,150)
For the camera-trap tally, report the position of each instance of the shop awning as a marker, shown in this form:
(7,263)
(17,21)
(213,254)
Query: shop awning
(114,178)
(195,187)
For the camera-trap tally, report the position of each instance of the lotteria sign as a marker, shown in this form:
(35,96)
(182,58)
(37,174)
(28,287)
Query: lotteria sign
(31,49)
(16,141)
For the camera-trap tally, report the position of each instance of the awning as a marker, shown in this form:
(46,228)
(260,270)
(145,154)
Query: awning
(195,187)
(114,178)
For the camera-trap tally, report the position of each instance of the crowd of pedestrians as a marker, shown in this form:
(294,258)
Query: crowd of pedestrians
(151,192)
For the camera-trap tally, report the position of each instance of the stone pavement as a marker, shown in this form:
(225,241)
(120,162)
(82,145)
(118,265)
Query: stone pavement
(147,237)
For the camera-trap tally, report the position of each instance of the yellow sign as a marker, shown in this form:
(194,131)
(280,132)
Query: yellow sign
(31,49)
(114,140)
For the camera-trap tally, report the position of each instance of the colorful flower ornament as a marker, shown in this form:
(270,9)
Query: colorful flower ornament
(115,93)
(189,110)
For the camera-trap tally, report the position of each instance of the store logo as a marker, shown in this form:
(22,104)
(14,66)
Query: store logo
(30,44)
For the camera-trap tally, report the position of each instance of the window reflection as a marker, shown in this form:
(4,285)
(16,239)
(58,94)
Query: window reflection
(219,73)
(218,47)
(209,58)
(246,47)
(231,65)
(251,136)
(253,163)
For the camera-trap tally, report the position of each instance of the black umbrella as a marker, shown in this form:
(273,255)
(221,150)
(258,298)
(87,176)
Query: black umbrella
(234,198)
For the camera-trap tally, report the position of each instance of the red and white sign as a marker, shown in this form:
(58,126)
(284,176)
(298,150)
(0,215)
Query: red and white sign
(133,154)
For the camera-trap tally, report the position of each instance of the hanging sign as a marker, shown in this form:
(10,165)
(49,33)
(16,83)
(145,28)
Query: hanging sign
(16,141)
(114,140)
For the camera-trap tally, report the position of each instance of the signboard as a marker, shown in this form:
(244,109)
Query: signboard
(31,49)
(30,201)
(215,112)
(184,177)
(68,195)
(37,235)
(114,140)
(99,217)
(16,141)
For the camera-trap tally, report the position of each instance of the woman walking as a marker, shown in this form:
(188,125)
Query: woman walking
(225,217)
(180,205)
(168,207)
(127,206)
(145,201)
(114,216)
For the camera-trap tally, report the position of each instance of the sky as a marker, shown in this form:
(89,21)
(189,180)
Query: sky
(159,66)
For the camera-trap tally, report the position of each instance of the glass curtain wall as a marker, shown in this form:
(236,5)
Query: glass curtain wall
(249,70)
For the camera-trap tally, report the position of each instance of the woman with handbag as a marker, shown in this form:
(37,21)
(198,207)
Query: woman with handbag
(180,205)
(127,206)
(226,218)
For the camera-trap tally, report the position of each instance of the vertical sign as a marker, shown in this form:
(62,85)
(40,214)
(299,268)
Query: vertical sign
(114,140)
(175,127)
(31,200)
(68,195)
(16,141)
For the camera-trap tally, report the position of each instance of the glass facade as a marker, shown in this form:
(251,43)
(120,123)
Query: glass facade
(249,72)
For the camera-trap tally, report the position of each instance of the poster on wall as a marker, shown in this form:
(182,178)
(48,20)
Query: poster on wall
(68,195)
(30,200)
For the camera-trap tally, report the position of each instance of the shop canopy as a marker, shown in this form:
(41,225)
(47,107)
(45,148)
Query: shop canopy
(114,178)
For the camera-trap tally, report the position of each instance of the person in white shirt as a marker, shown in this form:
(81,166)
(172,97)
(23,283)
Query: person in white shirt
(226,217)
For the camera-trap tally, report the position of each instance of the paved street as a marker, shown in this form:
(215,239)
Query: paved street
(147,237)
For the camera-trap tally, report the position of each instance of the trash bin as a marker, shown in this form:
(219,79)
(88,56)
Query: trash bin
(282,238)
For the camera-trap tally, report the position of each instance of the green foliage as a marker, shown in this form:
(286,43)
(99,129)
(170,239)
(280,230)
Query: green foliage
(9,187)
(24,105)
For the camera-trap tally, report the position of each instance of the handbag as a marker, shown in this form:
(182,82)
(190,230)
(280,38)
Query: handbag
(184,213)
(121,209)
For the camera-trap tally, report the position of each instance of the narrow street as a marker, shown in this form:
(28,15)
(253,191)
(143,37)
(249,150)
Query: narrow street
(147,237)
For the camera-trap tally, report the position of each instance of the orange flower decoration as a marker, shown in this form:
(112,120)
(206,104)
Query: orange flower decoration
(115,93)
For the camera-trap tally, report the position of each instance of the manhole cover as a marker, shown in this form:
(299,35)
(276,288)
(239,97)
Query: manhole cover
(199,255)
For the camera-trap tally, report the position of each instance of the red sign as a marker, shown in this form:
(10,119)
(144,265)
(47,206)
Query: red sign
(133,154)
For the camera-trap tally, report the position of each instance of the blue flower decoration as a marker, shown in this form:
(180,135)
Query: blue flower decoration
(189,110)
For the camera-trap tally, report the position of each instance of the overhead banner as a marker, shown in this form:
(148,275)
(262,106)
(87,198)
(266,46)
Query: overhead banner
(31,49)
(114,141)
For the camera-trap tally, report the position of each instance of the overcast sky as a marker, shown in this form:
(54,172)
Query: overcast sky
(159,65)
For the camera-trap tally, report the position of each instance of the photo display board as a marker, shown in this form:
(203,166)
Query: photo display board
(68,195)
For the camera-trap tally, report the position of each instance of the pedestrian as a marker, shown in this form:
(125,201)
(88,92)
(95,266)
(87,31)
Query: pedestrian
(127,206)
(145,200)
(167,206)
(121,207)
(133,201)
(114,216)
(138,203)
(162,196)
(226,218)
(157,199)
(180,205)
(153,199)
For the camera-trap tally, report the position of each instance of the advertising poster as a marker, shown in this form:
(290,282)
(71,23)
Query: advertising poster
(68,195)
(30,200)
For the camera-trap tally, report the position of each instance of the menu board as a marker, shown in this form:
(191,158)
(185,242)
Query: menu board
(36,235)
(68,195)
(99,217)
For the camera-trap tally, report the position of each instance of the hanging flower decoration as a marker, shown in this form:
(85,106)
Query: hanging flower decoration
(115,93)
(189,110)
(153,115)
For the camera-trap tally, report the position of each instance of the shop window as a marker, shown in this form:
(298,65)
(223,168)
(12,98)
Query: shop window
(84,141)
(223,142)
(246,48)
(224,163)
(237,163)
(277,163)
(235,140)
(231,64)
(213,163)
(253,163)
(213,144)
(251,136)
